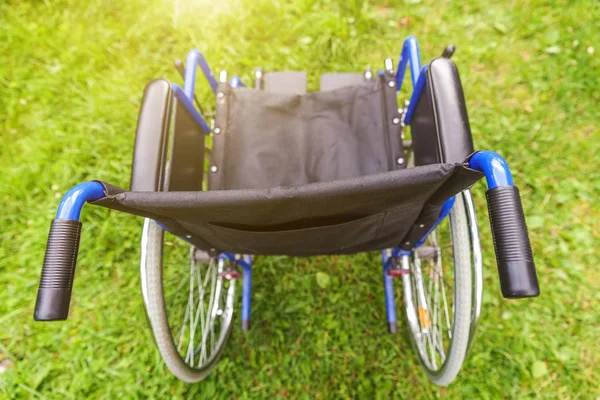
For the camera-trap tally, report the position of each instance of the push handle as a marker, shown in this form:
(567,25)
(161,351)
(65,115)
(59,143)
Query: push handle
(56,282)
(513,251)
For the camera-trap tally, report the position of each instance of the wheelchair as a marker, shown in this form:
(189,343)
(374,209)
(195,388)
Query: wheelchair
(282,171)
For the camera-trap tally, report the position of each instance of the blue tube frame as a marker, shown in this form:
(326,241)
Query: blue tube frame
(496,170)
(409,56)
(189,106)
(72,202)
(236,81)
(388,288)
(388,282)
(245,262)
(194,60)
(416,95)
(446,208)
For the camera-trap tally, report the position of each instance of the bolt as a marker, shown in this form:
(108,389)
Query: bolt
(400,161)
(216,131)
(214,168)
(391,83)
(396,121)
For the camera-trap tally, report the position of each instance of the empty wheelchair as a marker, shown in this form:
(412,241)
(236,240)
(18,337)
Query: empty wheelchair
(282,171)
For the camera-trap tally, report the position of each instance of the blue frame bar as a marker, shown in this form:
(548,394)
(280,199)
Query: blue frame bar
(409,56)
(388,283)
(189,106)
(388,288)
(496,170)
(235,81)
(446,208)
(416,94)
(245,262)
(246,292)
(193,60)
(72,202)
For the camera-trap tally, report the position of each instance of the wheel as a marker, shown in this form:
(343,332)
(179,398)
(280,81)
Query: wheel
(189,304)
(442,293)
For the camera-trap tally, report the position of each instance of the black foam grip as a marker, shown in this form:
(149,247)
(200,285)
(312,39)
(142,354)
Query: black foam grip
(511,242)
(56,283)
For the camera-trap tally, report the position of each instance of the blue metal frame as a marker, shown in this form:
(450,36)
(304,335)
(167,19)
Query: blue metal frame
(496,170)
(416,94)
(245,262)
(388,282)
(236,81)
(446,208)
(409,56)
(72,202)
(194,60)
(189,106)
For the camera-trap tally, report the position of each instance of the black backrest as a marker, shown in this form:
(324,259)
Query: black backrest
(150,147)
(440,124)
(150,172)
(186,163)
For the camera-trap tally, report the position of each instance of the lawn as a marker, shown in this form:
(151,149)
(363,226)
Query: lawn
(71,79)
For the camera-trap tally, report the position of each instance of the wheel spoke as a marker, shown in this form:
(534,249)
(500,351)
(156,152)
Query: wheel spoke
(431,302)
(189,357)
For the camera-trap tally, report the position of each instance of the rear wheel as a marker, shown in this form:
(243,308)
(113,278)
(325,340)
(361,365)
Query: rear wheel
(189,304)
(442,294)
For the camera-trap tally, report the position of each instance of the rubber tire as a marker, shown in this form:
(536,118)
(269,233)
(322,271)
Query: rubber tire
(157,313)
(463,292)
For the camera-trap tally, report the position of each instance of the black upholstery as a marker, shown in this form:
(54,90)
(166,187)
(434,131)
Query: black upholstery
(186,161)
(314,173)
(151,137)
(365,213)
(268,140)
(440,125)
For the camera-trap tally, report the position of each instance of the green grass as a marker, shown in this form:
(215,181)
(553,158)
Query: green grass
(71,79)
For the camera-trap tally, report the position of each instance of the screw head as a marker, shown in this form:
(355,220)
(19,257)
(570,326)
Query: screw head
(216,131)
(400,161)
(391,83)
(407,243)
(396,121)
(421,225)
(214,168)
(220,95)
(188,236)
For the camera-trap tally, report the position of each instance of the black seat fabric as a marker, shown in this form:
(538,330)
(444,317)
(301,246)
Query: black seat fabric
(267,140)
(351,215)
